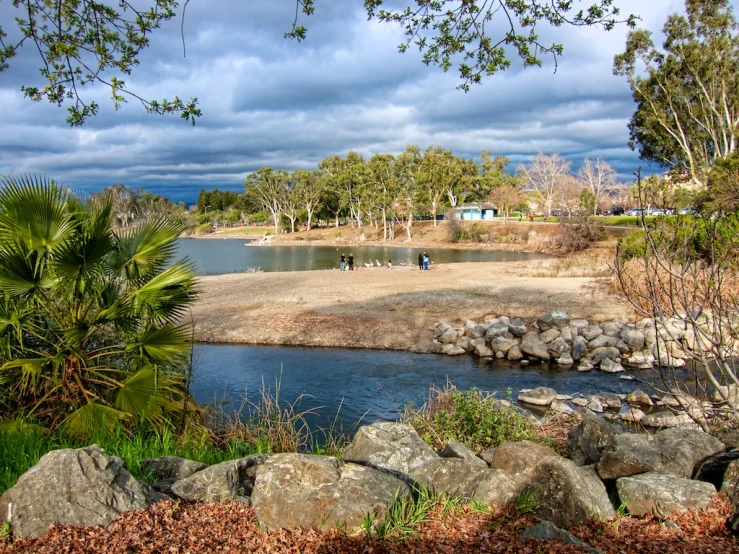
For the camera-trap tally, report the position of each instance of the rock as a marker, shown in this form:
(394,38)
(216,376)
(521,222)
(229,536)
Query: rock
(611,328)
(578,324)
(609,366)
(532,346)
(483,352)
(561,408)
(231,480)
(478,331)
(298,490)
(730,485)
(623,348)
(713,468)
(84,486)
(517,327)
(501,344)
(549,335)
(589,333)
(558,347)
(497,488)
(641,359)
(579,348)
(639,397)
(566,334)
(441,328)
(728,393)
(585,443)
(633,337)
(388,446)
(555,319)
(448,337)
(604,340)
(683,449)
(453,476)
(524,363)
(580,402)
(455,351)
(595,406)
(658,494)
(585,365)
(631,414)
(566,494)
(565,359)
(171,467)
(608,399)
(547,531)
(669,419)
(540,396)
(464,343)
(514,353)
(603,352)
(497,328)
(455,449)
(519,457)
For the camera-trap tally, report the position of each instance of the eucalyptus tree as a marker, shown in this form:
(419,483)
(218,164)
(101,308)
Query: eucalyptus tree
(384,184)
(545,175)
(333,200)
(89,332)
(290,202)
(268,189)
(687,92)
(353,181)
(408,192)
(438,172)
(309,189)
(599,178)
(79,43)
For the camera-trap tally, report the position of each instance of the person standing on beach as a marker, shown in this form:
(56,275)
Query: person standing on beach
(342,262)
(425,260)
(351,261)
(420,261)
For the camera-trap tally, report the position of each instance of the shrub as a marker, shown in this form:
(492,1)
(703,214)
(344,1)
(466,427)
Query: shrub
(204,229)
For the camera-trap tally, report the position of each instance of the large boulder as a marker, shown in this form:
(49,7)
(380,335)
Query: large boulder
(171,467)
(517,327)
(496,328)
(455,449)
(84,486)
(682,449)
(579,348)
(585,443)
(553,320)
(566,494)
(713,468)
(389,446)
(532,346)
(540,396)
(231,480)
(659,494)
(452,476)
(547,531)
(298,490)
(497,488)
(519,457)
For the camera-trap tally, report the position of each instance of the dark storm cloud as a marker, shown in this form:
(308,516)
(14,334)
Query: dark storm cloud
(268,101)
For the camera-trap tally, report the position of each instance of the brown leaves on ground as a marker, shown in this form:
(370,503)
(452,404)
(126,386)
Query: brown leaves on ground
(232,527)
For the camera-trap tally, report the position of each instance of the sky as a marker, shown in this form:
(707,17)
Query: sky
(272,102)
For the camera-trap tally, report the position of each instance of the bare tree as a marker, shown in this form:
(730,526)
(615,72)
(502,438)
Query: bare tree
(506,197)
(598,177)
(545,175)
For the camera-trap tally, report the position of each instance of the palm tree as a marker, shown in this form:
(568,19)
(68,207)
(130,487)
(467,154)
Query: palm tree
(89,332)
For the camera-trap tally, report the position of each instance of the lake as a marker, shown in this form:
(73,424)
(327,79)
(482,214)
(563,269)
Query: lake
(219,256)
(369,385)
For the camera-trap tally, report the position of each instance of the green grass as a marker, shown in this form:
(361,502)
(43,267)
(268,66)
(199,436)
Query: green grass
(624,220)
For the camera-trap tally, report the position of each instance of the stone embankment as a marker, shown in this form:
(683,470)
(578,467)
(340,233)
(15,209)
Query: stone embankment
(612,346)
(386,462)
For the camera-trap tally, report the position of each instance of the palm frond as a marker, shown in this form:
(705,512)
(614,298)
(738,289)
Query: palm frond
(167,295)
(93,418)
(162,344)
(148,396)
(22,271)
(144,250)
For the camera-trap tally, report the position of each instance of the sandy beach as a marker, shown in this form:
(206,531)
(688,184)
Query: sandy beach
(384,308)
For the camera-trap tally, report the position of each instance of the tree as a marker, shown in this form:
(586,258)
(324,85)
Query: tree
(308,190)
(438,173)
(79,43)
(687,94)
(267,188)
(407,166)
(505,198)
(89,332)
(545,175)
(384,183)
(598,177)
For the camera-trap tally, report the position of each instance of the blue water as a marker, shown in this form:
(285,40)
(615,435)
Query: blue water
(219,256)
(368,385)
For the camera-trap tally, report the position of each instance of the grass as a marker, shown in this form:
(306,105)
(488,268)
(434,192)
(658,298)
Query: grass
(472,417)
(587,265)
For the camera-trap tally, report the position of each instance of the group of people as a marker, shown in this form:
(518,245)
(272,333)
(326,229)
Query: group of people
(347,263)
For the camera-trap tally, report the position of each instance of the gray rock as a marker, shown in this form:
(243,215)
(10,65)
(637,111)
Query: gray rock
(566,334)
(455,449)
(580,402)
(84,486)
(558,347)
(595,405)
(497,329)
(484,351)
(713,468)
(565,359)
(585,365)
(549,335)
(641,359)
(393,447)
(540,396)
(497,488)
(171,467)
(514,353)
(231,480)
(631,414)
(589,333)
(441,328)
(608,399)
(579,348)
(464,343)
(730,484)
(532,346)
(658,494)
(561,408)
(501,344)
(547,531)
(623,348)
(448,337)
(517,327)
(603,340)
(609,366)
(633,337)
(478,331)
(585,443)
(602,352)
(297,490)
(668,419)
(453,476)
(566,494)
(682,449)
(640,397)
(518,457)
(578,324)
(555,319)
(611,328)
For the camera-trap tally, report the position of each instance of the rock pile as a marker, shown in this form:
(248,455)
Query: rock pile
(651,474)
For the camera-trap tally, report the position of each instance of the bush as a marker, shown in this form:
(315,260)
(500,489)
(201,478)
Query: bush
(472,417)
(476,232)
(204,229)
(578,233)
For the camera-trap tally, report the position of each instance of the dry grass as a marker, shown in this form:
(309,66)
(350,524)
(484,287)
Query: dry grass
(587,264)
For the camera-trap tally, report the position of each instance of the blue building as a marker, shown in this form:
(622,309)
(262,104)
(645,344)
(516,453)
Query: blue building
(474,211)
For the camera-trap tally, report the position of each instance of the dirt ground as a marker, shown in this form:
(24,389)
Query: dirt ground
(386,308)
